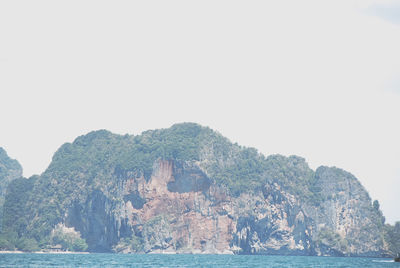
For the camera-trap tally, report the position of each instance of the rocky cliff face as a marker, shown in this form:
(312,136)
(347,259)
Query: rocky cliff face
(189,190)
(176,210)
(347,215)
(180,210)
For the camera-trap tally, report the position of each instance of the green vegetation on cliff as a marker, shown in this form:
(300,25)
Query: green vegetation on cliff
(240,169)
(9,169)
(15,221)
(100,161)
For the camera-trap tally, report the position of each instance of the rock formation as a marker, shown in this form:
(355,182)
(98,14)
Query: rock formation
(187,189)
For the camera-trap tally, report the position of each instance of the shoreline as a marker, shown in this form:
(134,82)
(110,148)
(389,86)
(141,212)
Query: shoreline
(173,253)
(41,252)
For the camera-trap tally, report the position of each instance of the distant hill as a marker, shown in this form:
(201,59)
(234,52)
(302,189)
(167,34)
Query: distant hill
(10,169)
(188,189)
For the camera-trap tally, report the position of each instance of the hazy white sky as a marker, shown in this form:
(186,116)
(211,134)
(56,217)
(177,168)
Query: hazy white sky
(319,79)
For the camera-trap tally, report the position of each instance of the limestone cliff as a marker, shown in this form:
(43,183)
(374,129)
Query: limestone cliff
(187,189)
(345,222)
(180,210)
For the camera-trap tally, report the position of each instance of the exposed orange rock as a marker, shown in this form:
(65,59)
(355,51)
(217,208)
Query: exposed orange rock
(196,224)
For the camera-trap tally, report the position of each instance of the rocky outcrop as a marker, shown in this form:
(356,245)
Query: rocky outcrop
(347,214)
(180,210)
(272,223)
(176,210)
(187,189)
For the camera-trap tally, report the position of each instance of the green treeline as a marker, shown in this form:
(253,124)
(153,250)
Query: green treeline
(15,221)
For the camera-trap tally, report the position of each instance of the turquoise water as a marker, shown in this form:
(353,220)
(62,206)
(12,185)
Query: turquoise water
(125,260)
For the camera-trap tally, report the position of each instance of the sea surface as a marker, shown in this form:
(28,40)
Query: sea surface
(153,260)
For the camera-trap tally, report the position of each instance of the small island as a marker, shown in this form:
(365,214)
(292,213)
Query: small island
(187,189)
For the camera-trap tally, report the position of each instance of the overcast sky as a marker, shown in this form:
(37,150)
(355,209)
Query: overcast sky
(319,79)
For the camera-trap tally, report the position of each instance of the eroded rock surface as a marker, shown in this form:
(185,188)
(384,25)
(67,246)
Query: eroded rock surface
(180,210)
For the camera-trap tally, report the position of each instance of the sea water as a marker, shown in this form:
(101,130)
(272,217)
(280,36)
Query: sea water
(182,260)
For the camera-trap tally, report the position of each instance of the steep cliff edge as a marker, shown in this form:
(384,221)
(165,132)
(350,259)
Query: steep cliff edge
(187,189)
(345,221)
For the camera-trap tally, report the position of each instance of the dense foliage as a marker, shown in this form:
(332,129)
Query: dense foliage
(15,221)
(7,165)
(9,169)
(240,169)
(68,240)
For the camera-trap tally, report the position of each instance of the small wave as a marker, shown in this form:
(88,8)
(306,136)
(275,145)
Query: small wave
(382,260)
